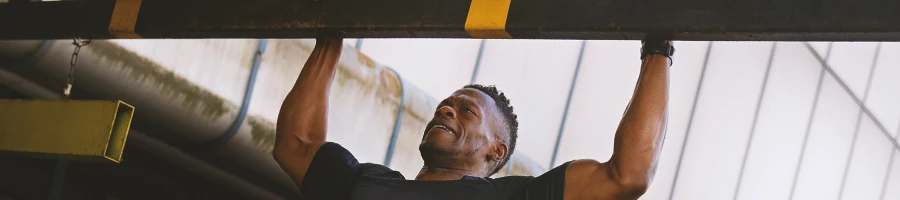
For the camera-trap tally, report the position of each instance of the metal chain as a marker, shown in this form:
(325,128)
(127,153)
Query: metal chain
(78,42)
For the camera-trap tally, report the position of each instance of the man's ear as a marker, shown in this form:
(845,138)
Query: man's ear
(499,152)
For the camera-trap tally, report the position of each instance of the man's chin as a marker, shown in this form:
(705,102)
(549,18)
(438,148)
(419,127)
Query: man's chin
(436,154)
(434,149)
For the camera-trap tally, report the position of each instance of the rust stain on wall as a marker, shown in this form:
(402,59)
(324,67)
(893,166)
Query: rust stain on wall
(262,133)
(170,84)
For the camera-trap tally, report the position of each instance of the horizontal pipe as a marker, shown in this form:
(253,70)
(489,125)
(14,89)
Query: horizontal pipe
(149,144)
(216,175)
(24,86)
(720,20)
(174,107)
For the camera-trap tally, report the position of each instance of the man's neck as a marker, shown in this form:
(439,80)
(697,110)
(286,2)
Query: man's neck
(442,174)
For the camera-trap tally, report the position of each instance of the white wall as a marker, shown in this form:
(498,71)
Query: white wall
(791,138)
(446,66)
(608,74)
(722,120)
(891,189)
(784,114)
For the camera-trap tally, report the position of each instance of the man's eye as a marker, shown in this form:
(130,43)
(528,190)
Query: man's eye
(470,111)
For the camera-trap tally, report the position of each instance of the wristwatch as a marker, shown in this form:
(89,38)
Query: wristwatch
(657,47)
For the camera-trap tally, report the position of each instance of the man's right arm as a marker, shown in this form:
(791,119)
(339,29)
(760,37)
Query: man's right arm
(303,119)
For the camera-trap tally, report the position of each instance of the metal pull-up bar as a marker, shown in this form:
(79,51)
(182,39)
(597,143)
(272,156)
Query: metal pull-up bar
(720,20)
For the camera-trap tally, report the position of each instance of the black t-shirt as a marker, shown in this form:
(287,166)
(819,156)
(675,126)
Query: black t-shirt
(335,174)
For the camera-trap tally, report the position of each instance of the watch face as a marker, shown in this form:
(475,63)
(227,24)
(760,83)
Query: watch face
(658,47)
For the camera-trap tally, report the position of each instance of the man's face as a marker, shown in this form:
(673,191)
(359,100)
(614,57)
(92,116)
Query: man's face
(463,127)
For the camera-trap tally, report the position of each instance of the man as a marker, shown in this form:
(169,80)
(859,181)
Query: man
(471,136)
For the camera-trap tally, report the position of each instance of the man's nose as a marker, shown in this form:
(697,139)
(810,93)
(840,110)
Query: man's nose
(447,111)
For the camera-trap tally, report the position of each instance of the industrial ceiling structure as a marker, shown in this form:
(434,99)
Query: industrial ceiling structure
(734,105)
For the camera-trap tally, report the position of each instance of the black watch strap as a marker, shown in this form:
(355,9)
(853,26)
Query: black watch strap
(657,47)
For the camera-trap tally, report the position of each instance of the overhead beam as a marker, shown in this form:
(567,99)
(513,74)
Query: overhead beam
(720,20)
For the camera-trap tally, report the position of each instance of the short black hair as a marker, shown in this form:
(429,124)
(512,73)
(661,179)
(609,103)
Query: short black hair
(509,118)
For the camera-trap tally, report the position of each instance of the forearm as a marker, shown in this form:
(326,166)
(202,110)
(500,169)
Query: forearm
(640,135)
(304,112)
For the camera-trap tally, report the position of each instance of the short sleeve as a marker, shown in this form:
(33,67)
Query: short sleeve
(331,173)
(549,185)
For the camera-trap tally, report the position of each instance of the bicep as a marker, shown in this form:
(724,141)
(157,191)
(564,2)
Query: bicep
(295,159)
(590,179)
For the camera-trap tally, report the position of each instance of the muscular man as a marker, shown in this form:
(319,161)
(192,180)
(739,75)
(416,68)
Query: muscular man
(470,137)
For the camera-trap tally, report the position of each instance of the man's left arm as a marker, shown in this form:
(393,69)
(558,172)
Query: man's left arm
(638,142)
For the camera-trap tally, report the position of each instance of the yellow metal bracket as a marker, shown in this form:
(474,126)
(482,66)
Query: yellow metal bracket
(487,19)
(73,129)
(124,18)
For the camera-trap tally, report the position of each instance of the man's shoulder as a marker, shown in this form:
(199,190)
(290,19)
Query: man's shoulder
(512,179)
(549,185)
(332,155)
(509,182)
(379,171)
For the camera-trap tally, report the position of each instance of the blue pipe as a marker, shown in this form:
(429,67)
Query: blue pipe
(245,104)
(398,120)
(477,62)
(359,44)
(562,125)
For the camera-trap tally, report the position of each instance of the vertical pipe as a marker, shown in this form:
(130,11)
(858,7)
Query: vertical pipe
(812,113)
(359,43)
(890,168)
(690,120)
(245,103)
(859,117)
(562,124)
(398,120)
(477,62)
(762,92)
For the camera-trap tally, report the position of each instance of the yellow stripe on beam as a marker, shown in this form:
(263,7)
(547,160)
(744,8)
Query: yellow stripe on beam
(124,17)
(487,19)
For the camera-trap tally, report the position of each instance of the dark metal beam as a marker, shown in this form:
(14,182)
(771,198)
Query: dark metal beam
(723,20)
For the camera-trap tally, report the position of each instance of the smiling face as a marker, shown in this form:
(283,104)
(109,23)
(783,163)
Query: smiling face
(465,131)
